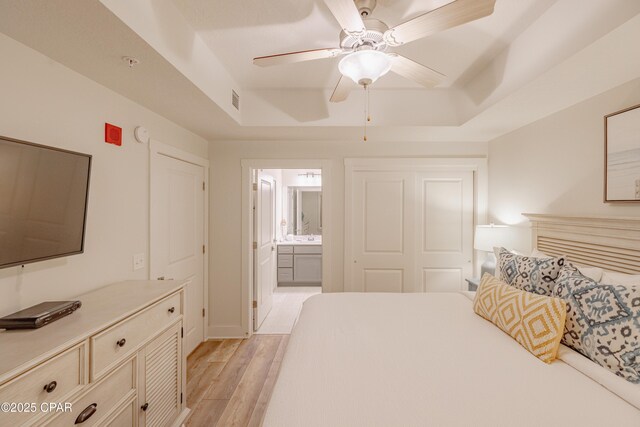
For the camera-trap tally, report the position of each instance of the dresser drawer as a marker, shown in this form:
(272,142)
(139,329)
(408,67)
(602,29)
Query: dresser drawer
(117,386)
(111,346)
(285,275)
(63,375)
(285,249)
(285,261)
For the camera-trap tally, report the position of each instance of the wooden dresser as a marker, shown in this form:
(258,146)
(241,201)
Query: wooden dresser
(117,361)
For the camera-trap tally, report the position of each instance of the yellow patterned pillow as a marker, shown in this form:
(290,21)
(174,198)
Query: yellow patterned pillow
(536,322)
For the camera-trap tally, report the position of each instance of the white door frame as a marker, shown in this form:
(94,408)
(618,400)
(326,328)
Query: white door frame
(247,225)
(480,190)
(157,148)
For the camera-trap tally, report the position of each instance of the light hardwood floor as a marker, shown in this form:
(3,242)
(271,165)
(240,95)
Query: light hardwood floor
(229,382)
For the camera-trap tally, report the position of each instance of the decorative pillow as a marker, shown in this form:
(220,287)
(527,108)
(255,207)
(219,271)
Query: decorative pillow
(536,322)
(530,274)
(603,321)
(496,253)
(594,273)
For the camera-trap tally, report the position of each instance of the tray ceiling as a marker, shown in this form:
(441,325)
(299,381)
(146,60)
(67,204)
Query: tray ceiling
(529,59)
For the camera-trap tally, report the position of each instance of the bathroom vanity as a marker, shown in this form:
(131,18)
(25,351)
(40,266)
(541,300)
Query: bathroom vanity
(300,263)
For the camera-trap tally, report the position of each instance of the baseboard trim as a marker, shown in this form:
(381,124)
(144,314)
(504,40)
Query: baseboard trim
(222,332)
(182,418)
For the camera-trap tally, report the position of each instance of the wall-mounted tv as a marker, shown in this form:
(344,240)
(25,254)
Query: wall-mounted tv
(43,202)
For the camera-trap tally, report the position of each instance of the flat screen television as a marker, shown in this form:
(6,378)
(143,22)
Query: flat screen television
(43,202)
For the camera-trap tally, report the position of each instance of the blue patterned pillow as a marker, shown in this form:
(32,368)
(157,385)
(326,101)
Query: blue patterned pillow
(536,275)
(603,321)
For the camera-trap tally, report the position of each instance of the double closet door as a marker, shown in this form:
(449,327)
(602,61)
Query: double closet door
(409,230)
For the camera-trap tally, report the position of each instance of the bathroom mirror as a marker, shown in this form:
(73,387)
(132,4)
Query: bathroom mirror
(304,211)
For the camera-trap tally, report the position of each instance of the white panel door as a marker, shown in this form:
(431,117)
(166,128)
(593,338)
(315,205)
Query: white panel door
(410,231)
(177,235)
(381,232)
(444,229)
(265,252)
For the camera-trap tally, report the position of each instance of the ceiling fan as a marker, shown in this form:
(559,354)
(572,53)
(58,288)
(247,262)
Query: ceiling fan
(365,42)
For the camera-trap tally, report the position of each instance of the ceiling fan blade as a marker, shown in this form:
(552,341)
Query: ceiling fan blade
(342,90)
(417,72)
(291,57)
(347,15)
(448,16)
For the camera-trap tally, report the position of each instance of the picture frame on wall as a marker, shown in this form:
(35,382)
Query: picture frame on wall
(622,155)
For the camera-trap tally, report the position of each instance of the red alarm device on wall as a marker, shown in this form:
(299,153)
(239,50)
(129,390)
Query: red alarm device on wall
(112,134)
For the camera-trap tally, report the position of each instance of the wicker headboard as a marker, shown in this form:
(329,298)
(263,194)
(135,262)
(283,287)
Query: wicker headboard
(606,242)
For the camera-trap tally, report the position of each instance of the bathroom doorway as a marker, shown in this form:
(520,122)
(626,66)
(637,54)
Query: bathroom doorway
(287,256)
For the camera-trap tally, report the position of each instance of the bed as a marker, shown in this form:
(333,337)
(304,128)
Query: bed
(428,359)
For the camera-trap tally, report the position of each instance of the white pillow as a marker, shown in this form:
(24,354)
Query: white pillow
(538,254)
(593,273)
(609,278)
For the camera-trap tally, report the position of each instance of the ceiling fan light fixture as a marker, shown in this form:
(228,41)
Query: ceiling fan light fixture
(365,66)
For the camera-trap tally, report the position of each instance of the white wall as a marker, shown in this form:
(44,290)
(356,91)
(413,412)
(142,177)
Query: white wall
(556,165)
(225,289)
(46,103)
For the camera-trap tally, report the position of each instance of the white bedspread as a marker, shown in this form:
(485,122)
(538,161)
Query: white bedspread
(425,360)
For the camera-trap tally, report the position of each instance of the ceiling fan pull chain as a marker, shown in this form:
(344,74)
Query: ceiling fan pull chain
(368,106)
(367,117)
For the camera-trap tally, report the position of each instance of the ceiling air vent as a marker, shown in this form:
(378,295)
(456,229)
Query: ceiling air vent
(235,99)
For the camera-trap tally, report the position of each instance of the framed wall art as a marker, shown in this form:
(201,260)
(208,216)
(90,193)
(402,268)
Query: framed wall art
(622,155)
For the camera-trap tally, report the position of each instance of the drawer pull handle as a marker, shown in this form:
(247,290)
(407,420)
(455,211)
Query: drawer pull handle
(145,406)
(172,309)
(50,387)
(121,343)
(87,413)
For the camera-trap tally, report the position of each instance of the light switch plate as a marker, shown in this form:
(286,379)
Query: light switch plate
(138,261)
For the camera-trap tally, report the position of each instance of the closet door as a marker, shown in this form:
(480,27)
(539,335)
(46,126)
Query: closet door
(381,230)
(409,229)
(177,223)
(444,230)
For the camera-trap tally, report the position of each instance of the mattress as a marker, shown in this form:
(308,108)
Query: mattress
(427,360)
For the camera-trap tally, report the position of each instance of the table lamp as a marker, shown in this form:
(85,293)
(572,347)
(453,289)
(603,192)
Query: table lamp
(486,238)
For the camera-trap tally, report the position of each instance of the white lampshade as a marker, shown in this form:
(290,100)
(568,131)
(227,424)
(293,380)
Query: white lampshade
(489,236)
(365,66)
